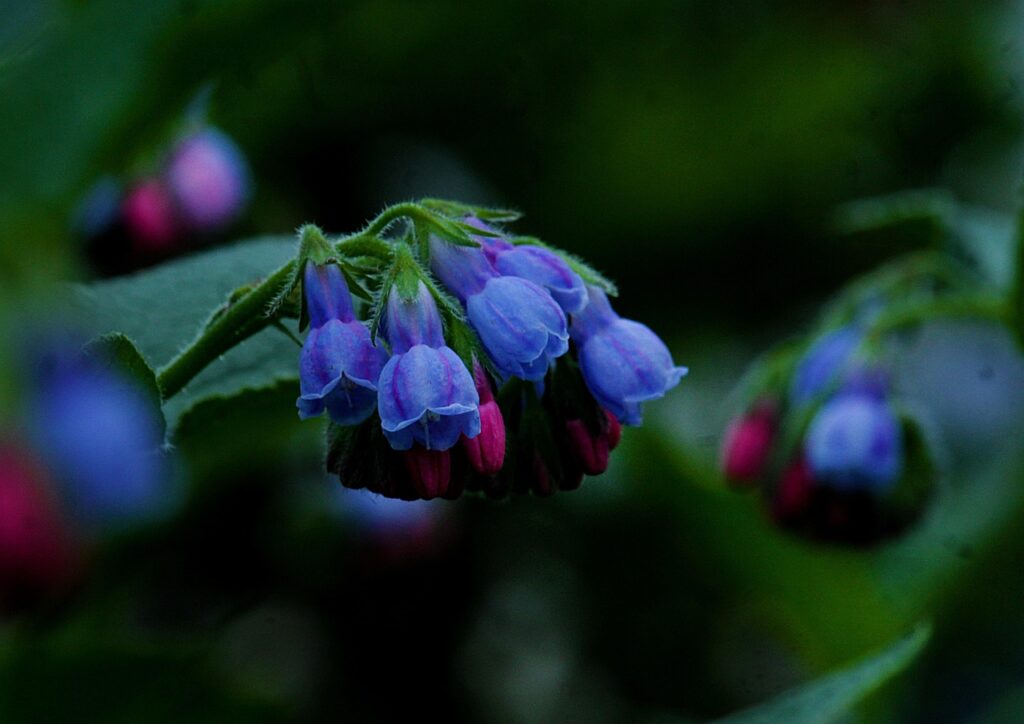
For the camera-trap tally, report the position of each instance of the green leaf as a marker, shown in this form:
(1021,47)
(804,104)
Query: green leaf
(827,698)
(162,309)
(116,349)
(484,213)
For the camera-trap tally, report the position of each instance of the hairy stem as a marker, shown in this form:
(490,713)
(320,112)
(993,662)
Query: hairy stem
(241,320)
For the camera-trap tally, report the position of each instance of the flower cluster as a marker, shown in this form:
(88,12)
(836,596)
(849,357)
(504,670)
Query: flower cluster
(85,458)
(828,446)
(497,368)
(201,184)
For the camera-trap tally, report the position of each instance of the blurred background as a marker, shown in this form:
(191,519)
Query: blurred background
(695,151)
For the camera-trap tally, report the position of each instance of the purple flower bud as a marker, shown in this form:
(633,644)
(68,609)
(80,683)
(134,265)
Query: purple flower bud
(102,437)
(339,365)
(822,365)
(855,441)
(37,554)
(522,328)
(430,470)
(541,266)
(546,269)
(148,213)
(747,444)
(486,451)
(425,395)
(623,362)
(209,179)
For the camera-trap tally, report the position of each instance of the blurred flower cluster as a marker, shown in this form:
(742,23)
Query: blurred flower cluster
(828,445)
(499,369)
(197,187)
(84,459)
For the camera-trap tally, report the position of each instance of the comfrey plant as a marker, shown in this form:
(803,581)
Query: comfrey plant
(449,354)
(824,435)
(495,364)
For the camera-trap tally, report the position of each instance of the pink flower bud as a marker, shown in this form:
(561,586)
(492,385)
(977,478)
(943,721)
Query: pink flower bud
(430,470)
(148,213)
(486,451)
(747,444)
(588,449)
(794,492)
(36,551)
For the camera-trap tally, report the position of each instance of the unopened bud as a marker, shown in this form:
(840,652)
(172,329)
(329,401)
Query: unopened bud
(588,449)
(747,445)
(430,470)
(794,492)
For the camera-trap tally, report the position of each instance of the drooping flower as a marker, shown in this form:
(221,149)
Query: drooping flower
(521,327)
(425,394)
(623,362)
(855,442)
(541,266)
(824,363)
(208,177)
(339,365)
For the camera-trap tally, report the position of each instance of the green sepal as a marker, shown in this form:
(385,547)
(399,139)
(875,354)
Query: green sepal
(588,273)
(484,213)
(116,350)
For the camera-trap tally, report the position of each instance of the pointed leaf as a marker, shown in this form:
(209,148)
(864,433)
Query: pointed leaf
(161,309)
(829,697)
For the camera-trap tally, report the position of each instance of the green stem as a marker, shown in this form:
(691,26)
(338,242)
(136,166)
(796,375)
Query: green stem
(240,321)
(260,307)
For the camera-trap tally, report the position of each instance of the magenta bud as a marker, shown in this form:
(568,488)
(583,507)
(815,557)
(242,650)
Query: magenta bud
(486,451)
(794,491)
(37,554)
(747,445)
(148,213)
(614,430)
(430,470)
(588,449)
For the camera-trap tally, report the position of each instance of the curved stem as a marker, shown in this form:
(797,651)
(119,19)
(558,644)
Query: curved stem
(240,321)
